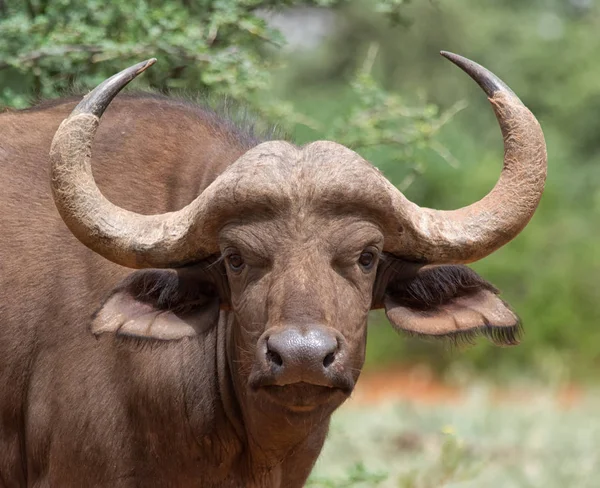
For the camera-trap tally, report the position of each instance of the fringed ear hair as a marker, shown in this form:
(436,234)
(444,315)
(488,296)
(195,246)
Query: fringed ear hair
(450,302)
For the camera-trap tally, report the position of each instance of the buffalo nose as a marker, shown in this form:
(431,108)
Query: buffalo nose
(296,354)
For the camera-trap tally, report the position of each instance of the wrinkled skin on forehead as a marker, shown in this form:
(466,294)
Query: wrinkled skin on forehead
(323,178)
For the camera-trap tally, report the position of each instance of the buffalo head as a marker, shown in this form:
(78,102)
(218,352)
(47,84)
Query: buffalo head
(290,248)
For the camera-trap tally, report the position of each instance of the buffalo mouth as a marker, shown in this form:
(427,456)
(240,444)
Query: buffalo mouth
(303,397)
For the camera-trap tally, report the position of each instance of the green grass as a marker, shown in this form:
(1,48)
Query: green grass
(475,444)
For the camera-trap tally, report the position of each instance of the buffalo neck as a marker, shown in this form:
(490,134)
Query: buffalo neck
(272,433)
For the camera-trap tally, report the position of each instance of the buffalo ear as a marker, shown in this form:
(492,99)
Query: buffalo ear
(163,304)
(450,302)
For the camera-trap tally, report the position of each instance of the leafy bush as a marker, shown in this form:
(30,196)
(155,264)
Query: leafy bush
(223,48)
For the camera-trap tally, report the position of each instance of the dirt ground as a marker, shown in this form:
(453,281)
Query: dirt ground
(419,386)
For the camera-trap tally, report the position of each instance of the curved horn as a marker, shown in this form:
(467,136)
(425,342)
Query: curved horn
(124,237)
(471,233)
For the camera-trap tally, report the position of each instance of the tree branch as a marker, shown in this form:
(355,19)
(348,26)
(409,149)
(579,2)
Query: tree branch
(34,56)
(30,9)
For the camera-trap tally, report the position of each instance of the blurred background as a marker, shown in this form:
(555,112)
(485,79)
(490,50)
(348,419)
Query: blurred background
(368,74)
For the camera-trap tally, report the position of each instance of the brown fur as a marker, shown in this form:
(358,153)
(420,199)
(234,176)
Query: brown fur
(121,379)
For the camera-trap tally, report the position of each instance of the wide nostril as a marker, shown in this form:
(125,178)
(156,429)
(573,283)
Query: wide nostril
(274,357)
(329,359)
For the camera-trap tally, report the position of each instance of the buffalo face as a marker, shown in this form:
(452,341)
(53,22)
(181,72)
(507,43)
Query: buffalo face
(301,290)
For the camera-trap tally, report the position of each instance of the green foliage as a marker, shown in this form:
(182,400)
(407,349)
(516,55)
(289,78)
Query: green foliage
(213,45)
(219,47)
(368,118)
(383,120)
(356,476)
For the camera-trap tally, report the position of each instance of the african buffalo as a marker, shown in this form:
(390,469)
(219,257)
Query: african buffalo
(219,361)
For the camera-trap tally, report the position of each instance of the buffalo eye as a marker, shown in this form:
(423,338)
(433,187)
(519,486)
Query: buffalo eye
(366,259)
(235,262)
